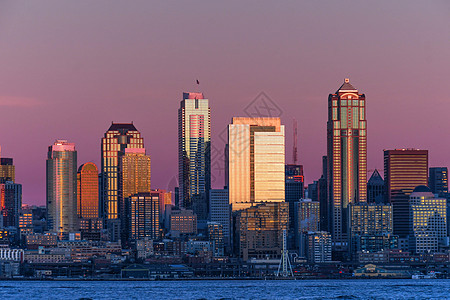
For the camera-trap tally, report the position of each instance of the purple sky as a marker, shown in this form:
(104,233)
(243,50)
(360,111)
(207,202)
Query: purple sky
(69,68)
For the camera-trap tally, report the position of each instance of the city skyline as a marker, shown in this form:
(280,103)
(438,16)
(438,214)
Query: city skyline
(45,92)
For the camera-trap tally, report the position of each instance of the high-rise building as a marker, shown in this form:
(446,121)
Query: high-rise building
(119,137)
(144,216)
(164,198)
(404,169)
(438,180)
(10,203)
(87,191)
(194,153)
(313,191)
(375,188)
(7,169)
(318,246)
(306,218)
(216,238)
(220,211)
(255,161)
(428,220)
(347,156)
(322,195)
(62,187)
(259,230)
(294,185)
(370,227)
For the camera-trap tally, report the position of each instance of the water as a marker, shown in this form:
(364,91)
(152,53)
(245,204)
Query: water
(228,289)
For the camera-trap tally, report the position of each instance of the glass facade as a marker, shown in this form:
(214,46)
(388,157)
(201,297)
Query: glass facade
(7,170)
(144,216)
(439,180)
(194,152)
(256,170)
(62,187)
(10,203)
(347,156)
(119,137)
(404,169)
(87,188)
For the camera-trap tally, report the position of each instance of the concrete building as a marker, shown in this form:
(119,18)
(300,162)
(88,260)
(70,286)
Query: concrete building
(428,221)
(183,221)
(318,247)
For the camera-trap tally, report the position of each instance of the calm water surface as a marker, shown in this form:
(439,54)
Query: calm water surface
(227,289)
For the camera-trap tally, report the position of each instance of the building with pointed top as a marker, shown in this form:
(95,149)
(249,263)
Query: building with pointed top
(347,157)
(375,188)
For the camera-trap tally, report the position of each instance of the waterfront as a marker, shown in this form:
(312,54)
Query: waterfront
(228,289)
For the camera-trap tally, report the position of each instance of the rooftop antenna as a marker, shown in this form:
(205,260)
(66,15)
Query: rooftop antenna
(294,150)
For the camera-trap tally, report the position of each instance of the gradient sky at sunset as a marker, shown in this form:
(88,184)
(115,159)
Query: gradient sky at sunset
(69,68)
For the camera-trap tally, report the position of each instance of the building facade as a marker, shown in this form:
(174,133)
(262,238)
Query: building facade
(293,189)
(404,169)
(119,137)
(220,211)
(347,157)
(428,221)
(194,152)
(144,216)
(255,161)
(87,191)
(62,187)
(10,203)
(438,180)
(375,188)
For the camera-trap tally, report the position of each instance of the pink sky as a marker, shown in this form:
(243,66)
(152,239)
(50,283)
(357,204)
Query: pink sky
(69,68)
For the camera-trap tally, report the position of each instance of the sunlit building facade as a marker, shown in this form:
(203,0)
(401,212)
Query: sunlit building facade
(135,172)
(62,187)
(7,169)
(347,157)
(404,169)
(428,220)
(87,191)
(255,161)
(119,137)
(144,216)
(194,152)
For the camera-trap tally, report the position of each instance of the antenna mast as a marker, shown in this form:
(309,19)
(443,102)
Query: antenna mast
(294,147)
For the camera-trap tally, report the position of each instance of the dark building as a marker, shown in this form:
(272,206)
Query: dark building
(322,195)
(375,188)
(11,203)
(312,191)
(404,169)
(293,188)
(144,216)
(438,181)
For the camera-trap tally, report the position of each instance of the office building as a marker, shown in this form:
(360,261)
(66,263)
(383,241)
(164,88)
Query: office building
(404,169)
(347,157)
(7,169)
(10,203)
(119,137)
(375,188)
(62,187)
(307,215)
(259,230)
(255,161)
(216,238)
(318,247)
(164,198)
(294,186)
(220,211)
(428,221)
(183,222)
(322,196)
(144,216)
(87,191)
(194,153)
(438,181)
(370,227)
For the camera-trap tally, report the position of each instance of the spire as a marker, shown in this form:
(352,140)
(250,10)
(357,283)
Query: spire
(376,178)
(347,86)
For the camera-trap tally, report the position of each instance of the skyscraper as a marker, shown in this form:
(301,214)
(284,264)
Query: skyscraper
(220,212)
(293,188)
(87,191)
(438,181)
(10,203)
(404,169)
(7,169)
(346,152)
(144,216)
(375,188)
(118,137)
(255,161)
(62,187)
(194,152)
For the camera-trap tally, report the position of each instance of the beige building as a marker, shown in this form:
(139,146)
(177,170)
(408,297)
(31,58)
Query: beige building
(255,161)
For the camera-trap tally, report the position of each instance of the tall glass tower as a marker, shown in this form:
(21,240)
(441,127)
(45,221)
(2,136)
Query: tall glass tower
(194,152)
(62,187)
(119,137)
(347,157)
